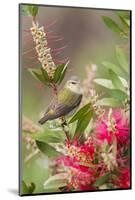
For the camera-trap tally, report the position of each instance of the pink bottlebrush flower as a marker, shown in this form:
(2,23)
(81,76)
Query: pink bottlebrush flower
(80,177)
(121,128)
(124,179)
(68,161)
(78,163)
(103,133)
(88,150)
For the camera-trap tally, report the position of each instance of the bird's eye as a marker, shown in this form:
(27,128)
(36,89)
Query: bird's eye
(73,82)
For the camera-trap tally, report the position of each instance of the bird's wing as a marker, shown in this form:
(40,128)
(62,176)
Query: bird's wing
(63,105)
(63,109)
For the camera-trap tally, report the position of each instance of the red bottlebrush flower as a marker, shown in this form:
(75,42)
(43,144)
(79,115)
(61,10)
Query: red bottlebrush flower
(121,128)
(124,179)
(78,163)
(103,133)
(88,149)
(80,177)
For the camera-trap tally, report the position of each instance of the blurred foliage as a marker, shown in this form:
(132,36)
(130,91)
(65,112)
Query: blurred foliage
(123,29)
(29,10)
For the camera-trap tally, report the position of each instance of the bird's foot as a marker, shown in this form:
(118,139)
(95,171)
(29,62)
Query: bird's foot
(64,123)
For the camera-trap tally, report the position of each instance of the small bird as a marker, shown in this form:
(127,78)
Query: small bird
(66,101)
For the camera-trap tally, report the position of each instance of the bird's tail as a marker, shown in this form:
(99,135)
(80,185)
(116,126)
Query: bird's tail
(43,120)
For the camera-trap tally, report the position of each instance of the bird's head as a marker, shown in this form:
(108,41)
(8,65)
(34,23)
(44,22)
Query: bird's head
(74,84)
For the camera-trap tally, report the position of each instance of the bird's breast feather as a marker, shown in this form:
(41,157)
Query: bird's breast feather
(68,97)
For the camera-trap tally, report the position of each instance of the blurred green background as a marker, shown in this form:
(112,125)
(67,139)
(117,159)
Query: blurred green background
(88,40)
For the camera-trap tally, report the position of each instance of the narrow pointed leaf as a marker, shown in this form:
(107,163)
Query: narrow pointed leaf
(111,102)
(56,181)
(45,75)
(31,187)
(111,24)
(116,80)
(63,74)
(122,59)
(49,137)
(33,10)
(124,14)
(30,9)
(81,112)
(104,82)
(28,188)
(24,10)
(125,22)
(25,189)
(124,82)
(82,124)
(118,94)
(117,69)
(47,149)
(108,83)
(59,72)
(37,74)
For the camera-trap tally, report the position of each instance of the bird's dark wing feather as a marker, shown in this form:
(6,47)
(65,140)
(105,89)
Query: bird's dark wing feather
(60,109)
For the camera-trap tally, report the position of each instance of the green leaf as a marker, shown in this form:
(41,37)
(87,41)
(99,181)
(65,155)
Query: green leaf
(111,102)
(49,137)
(28,188)
(114,67)
(33,10)
(116,80)
(45,75)
(124,14)
(63,74)
(24,188)
(47,149)
(81,112)
(30,9)
(118,94)
(104,82)
(122,59)
(128,22)
(102,180)
(125,22)
(82,124)
(56,181)
(60,72)
(108,83)
(125,19)
(111,24)
(124,82)
(38,74)
(24,10)
(31,187)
